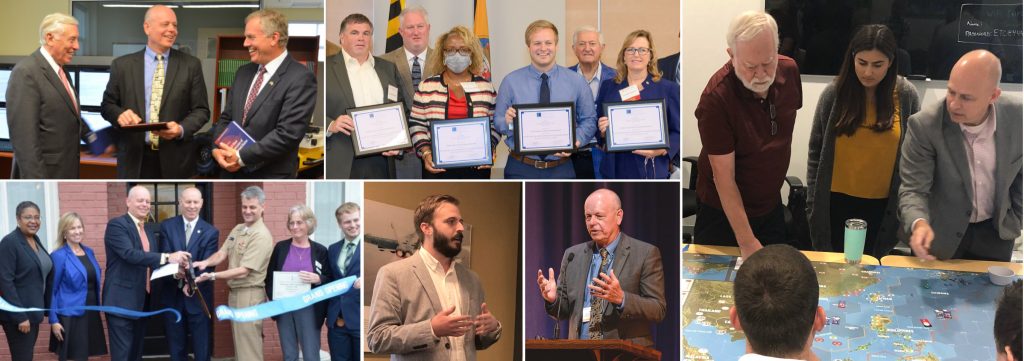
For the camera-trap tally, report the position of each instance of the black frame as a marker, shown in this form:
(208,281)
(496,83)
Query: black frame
(517,127)
(355,131)
(485,121)
(636,104)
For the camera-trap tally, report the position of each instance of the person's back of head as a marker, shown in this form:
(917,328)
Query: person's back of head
(776,302)
(1007,328)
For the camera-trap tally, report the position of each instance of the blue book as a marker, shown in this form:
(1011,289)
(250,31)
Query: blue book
(99,140)
(235,137)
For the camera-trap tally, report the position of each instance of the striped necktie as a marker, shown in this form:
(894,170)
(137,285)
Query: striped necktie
(417,73)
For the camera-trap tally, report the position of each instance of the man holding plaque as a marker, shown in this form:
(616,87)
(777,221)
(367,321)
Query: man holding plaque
(271,100)
(171,91)
(544,82)
(411,59)
(745,117)
(187,232)
(247,249)
(444,321)
(357,79)
(588,44)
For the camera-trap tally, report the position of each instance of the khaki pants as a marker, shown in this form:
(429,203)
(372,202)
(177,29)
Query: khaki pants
(248,336)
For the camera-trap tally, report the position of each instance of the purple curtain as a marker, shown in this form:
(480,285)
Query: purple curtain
(554,222)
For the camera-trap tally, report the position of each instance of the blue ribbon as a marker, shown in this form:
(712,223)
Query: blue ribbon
(5,306)
(285,305)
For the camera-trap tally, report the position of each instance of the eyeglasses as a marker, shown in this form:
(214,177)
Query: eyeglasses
(638,51)
(461,51)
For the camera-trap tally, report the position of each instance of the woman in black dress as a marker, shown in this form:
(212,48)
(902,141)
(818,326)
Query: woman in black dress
(76,282)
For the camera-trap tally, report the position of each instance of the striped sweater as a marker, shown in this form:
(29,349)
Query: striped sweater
(431,104)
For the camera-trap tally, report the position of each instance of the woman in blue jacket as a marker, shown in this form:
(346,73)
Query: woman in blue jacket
(76,282)
(637,67)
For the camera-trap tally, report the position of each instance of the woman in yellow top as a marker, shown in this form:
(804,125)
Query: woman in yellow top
(853,156)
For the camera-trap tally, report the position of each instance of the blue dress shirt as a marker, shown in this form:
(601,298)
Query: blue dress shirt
(522,86)
(595,264)
(150,68)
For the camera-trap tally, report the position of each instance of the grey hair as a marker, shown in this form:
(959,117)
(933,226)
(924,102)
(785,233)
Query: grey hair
(305,213)
(254,192)
(748,25)
(412,9)
(587,29)
(272,21)
(54,24)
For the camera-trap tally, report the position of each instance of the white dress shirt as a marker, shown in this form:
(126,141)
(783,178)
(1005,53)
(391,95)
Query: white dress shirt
(366,87)
(271,67)
(446,284)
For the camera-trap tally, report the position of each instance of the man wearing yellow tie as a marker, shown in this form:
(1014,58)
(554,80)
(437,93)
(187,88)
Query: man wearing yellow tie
(173,91)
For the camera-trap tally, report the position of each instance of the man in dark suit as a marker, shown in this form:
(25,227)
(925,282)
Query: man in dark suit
(669,67)
(187,232)
(378,82)
(960,168)
(131,256)
(629,294)
(43,114)
(343,323)
(272,99)
(411,61)
(588,44)
(172,90)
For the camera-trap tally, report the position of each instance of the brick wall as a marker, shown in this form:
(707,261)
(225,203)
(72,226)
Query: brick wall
(97,202)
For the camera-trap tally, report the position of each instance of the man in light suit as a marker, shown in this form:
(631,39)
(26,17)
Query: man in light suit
(433,324)
(172,90)
(628,294)
(377,81)
(132,254)
(411,60)
(588,44)
(343,322)
(960,167)
(272,99)
(187,232)
(43,113)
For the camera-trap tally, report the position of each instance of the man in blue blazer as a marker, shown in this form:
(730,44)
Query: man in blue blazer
(272,99)
(588,44)
(343,321)
(187,232)
(131,250)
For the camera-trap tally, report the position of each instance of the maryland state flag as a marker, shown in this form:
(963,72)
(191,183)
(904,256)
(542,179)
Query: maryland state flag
(394,38)
(482,33)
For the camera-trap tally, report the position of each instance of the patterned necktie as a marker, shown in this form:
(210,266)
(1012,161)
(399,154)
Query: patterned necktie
(155,99)
(253,93)
(417,74)
(145,248)
(545,90)
(346,254)
(67,86)
(188,233)
(597,304)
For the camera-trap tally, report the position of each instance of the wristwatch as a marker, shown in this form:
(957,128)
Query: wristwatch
(163,258)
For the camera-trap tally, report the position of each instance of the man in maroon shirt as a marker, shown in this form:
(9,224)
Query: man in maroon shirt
(745,117)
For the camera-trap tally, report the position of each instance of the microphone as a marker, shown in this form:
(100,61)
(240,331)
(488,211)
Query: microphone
(558,298)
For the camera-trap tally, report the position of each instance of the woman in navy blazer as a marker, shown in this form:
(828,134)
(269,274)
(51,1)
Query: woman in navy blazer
(25,267)
(300,328)
(636,67)
(76,282)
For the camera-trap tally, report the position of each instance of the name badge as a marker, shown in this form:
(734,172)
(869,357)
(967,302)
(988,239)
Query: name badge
(630,93)
(586,314)
(470,87)
(392,93)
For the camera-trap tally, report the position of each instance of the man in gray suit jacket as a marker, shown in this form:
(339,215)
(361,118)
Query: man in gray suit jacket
(960,195)
(423,305)
(42,111)
(629,294)
(181,103)
(377,82)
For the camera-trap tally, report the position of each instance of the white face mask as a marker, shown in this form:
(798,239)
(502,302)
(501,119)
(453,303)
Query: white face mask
(457,63)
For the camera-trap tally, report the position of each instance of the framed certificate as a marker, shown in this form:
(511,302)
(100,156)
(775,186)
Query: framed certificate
(544,128)
(379,128)
(636,125)
(460,143)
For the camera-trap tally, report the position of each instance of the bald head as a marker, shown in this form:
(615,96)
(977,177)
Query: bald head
(605,196)
(138,202)
(973,87)
(161,28)
(603,213)
(190,203)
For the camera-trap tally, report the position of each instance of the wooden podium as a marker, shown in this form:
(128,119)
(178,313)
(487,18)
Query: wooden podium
(596,350)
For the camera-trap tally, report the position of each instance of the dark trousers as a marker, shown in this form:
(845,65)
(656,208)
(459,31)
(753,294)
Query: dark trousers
(198,325)
(583,164)
(150,168)
(981,242)
(712,227)
(126,335)
(21,344)
(344,344)
(843,207)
